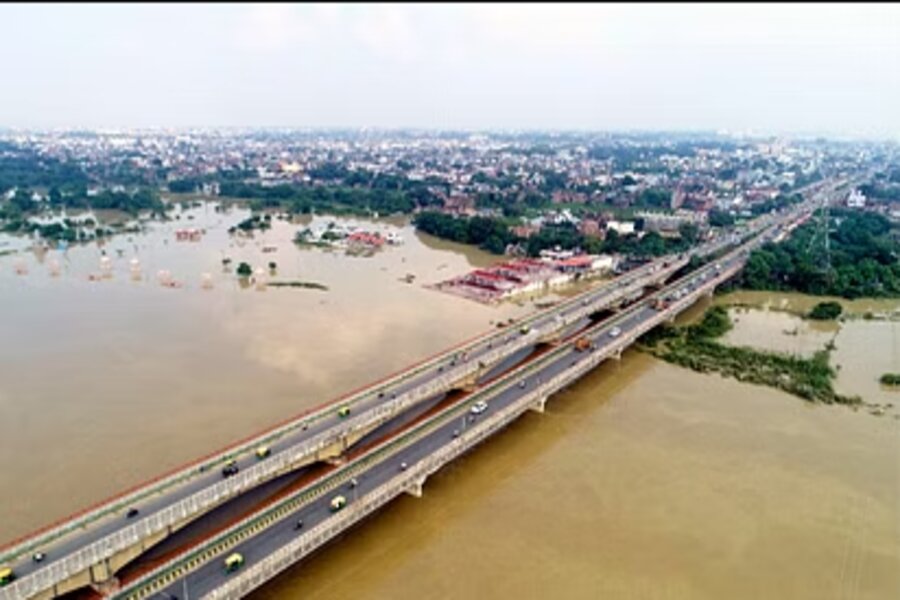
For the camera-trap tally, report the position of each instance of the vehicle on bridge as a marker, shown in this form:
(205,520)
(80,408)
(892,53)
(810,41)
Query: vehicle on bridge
(337,503)
(344,411)
(524,329)
(230,468)
(660,304)
(479,407)
(583,344)
(263,451)
(234,562)
(614,332)
(6,576)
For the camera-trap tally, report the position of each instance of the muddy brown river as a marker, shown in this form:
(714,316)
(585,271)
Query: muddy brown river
(642,481)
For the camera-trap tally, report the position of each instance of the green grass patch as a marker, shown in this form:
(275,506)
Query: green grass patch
(299,284)
(695,347)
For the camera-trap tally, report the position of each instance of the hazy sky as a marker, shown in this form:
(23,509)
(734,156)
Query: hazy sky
(831,68)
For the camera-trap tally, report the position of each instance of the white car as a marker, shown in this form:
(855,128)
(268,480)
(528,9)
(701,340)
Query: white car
(479,407)
(614,332)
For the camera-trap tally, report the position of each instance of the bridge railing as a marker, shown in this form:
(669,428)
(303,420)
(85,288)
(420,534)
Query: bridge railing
(279,560)
(34,540)
(209,497)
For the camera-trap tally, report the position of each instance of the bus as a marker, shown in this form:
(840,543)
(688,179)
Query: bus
(6,576)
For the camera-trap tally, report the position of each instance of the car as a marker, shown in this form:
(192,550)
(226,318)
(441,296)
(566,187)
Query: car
(230,468)
(381,394)
(263,451)
(305,427)
(456,433)
(344,411)
(479,407)
(298,524)
(38,557)
(614,332)
(132,513)
(337,503)
(403,466)
(353,483)
(522,384)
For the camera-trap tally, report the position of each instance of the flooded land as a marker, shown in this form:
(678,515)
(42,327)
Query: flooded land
(641,481)
(106,383)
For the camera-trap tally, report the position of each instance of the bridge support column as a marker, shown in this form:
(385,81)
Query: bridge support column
(539,405)
(415,488)
(107,588)
(617,355)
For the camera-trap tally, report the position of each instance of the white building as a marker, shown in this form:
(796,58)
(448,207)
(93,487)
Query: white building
(621,227)
(856,199)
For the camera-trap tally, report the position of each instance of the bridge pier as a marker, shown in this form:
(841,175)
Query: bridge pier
(416,487)
(539,405)
(108,587)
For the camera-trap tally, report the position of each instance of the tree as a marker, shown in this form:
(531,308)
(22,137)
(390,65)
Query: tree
(244,270)
(826,311)
(689,232)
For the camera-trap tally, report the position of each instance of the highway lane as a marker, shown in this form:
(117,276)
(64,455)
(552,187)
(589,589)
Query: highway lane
(203,480)
(212,574)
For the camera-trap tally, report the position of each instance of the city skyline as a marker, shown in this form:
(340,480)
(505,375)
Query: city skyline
(777,70)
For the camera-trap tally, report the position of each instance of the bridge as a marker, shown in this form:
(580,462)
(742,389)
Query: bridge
(89,549)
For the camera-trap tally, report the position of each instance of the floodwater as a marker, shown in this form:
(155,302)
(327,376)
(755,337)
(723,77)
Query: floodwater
(864,349)
(104,384)
(642,481)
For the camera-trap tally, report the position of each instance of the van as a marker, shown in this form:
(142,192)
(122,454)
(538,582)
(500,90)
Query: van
(234,562)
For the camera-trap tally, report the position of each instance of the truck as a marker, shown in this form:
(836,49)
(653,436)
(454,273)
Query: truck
(583,344)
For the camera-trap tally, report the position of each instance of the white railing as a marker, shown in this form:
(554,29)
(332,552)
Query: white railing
(289,554)
(217,493)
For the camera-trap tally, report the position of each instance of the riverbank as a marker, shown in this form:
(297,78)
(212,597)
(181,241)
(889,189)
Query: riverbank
(696,347)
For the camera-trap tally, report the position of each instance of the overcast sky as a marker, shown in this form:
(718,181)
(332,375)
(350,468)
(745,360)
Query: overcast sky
(769,68)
